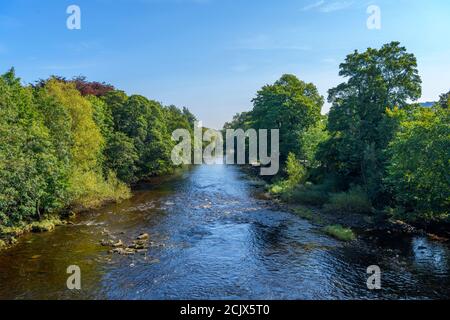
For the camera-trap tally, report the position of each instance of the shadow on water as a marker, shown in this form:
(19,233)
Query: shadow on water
(211,237)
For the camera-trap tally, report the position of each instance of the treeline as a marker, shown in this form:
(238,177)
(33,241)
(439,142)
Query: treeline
(74,143)
(374,152)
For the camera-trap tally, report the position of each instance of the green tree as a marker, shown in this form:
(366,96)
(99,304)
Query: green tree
(296,172)
(143,121)
(121,157)
(444,100)
(310,141)
(32,173)
(290,105)
(88,184)
(419,166)
(378,79)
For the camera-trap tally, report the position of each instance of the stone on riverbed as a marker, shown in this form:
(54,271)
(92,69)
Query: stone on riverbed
(118,244)
(111,243)
(143,236)
(123,251)
(140,245)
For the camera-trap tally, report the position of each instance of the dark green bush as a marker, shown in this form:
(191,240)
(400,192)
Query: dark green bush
(353,201)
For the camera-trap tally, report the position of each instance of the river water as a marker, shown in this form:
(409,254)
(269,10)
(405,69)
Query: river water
(212,237)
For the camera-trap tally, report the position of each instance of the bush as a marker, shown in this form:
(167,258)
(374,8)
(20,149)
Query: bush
(295,170)
(279,188)
(90,190)
(309,196)
(313,195)
(296,174)
(46,225)
(340,233)
(353,201)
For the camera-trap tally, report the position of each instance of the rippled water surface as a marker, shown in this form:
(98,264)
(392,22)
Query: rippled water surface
(212,238)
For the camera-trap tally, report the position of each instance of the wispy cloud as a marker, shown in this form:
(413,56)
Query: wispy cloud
(328,6)
(313,5)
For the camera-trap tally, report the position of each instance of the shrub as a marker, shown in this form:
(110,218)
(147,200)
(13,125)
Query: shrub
(295,170)
(353,201)
(340,233)
(46,225)
(90,190)
(309,196)
(278,188)
(296,174)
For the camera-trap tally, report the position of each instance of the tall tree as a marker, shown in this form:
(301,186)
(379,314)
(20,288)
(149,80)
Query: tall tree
(378,79)
(290,105)
(33,175)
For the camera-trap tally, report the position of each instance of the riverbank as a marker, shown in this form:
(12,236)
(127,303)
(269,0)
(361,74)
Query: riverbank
(374,223)
(9,235)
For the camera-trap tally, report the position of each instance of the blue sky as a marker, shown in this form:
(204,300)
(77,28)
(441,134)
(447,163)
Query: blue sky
(213,55)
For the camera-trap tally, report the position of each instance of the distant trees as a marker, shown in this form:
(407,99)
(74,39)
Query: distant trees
(76,143)
(142,121)
(444,100)
(87,88)
(290,105)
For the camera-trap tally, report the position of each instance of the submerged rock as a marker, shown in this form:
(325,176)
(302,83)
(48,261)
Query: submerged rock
(118,244)
(143,236)
(111,243)
(123,251)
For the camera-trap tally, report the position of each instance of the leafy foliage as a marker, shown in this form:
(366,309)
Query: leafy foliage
(74,143)
(444,100)
(340,233)
(33,171)
(353,201)
(378,79)
(290,105)
(419,166)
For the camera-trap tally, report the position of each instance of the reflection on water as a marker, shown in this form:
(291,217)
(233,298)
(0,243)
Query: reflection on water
(210,237)
(430,256)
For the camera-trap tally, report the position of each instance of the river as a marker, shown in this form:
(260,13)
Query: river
(213,237)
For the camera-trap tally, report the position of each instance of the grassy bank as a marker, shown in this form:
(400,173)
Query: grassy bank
(341,214)
(9,235)
(340,233)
